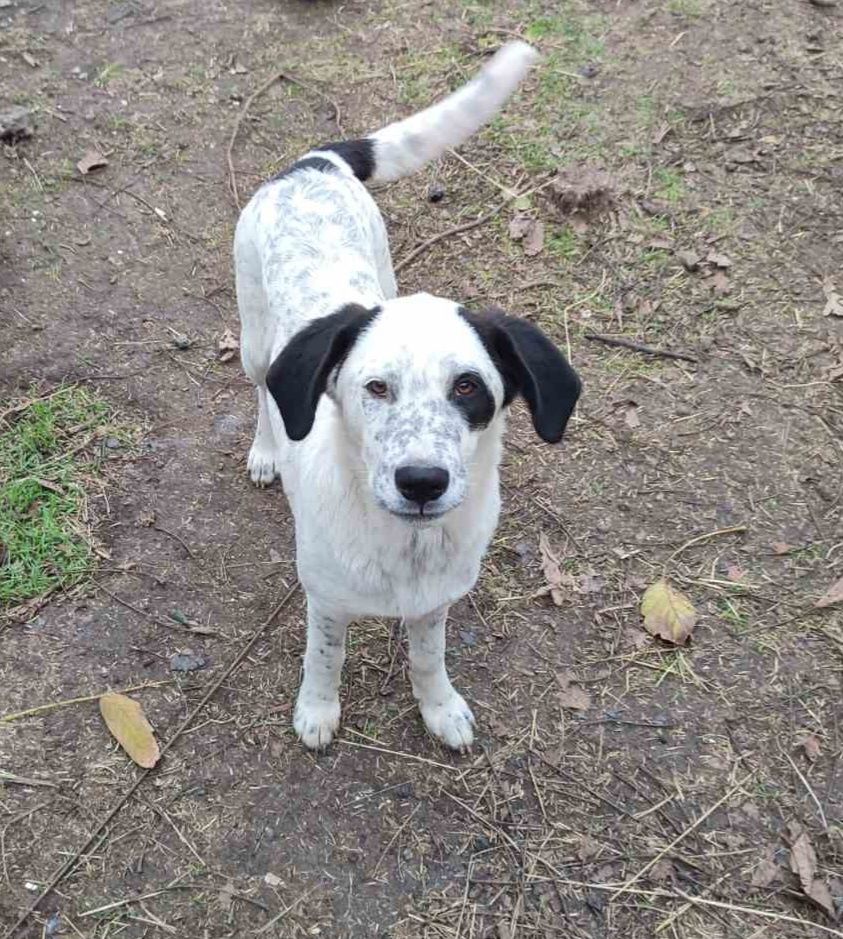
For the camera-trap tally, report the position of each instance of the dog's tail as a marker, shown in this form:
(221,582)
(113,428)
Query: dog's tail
(404,147)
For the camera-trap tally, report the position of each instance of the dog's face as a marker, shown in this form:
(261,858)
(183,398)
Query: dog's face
(418,382)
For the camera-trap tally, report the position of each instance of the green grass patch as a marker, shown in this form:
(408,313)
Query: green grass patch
(44,469)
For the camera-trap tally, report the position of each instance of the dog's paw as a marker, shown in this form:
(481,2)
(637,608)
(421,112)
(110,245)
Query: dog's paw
(450,721)
(262,466)
(316,722)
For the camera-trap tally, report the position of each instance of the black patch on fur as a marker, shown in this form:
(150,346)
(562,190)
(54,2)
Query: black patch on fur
(359,154)
(299,375)
(308,163)
(478,408)
(530,365)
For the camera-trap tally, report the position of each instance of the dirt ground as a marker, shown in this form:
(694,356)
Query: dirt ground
(705,781)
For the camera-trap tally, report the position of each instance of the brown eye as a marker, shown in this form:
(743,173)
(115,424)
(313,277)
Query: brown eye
(465,386)
(378,389)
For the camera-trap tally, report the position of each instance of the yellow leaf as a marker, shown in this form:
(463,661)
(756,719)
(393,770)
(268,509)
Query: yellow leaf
(668,613)
(129,726)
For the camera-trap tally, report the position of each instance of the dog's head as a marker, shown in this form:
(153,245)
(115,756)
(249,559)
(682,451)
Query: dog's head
(418,382)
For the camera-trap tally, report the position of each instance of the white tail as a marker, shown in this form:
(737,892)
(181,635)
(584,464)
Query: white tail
(404,147)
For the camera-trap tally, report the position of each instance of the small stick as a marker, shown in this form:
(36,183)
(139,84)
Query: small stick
(175,626)
(43,708)
(449,232)
(394,838)
(732,530)
(282,75)
(811,792)
(279,916)
(407,756)
(69,864)
(10,778)
(175,537)
(638,347)
(680,837)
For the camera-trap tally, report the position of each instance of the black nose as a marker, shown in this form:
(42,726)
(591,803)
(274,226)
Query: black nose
(421,484)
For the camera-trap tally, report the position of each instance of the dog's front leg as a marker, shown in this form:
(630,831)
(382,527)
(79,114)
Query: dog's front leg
(445,713)
(317,714)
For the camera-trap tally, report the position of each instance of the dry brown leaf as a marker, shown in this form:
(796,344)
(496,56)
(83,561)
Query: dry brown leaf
(766,872)
(803,863)
(519,225)
(93,160)
(811,747)
(781,547)
(227,346)
(668,613)
(662,871)
(631,418)
(558,584)
(718,260)
(129,726)
(735,573)
(690,260)
(572,695)
(534,239)
(720,284)
(833,300)
(833,595)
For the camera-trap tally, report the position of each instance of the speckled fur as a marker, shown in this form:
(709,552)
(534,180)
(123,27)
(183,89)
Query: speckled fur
(308,243)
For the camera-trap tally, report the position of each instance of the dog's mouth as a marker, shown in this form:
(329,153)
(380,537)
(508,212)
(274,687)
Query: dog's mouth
(420,517)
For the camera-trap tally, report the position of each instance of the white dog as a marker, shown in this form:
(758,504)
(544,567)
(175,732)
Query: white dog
(382,415)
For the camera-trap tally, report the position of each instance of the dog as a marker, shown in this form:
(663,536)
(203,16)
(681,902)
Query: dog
(383,415)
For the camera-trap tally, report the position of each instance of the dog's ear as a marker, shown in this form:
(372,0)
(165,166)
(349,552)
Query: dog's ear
(530,365)
(299,375)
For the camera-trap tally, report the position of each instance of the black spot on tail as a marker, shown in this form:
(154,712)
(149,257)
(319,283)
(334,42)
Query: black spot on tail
(359,154)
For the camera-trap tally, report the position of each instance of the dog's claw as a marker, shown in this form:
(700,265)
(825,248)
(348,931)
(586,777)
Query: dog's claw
(316,722)
(450,721)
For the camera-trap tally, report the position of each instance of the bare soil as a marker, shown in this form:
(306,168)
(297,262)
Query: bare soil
(687,778)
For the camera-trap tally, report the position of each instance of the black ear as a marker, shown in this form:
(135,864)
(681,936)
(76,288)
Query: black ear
(299,374)
(530,365)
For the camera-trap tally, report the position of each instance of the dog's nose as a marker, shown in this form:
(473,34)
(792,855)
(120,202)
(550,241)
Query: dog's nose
(421,484)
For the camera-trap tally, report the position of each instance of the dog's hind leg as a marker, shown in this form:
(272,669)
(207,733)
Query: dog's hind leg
(445,713)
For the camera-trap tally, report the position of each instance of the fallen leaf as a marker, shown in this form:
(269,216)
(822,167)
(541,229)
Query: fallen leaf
(766,872)
(558,584)
(834,302)
(534,239)
(668,613)
(690,260)
(588,849)
(570,694)
(811,745)
(519,225)
(93,160)
(735,573)
(720,284)
(718,260)
(663,870)
(30,60)
(833,595)
(631,418)
(803,863)
(227,346)
(781,547)
(127,723)
(660,244)
(272,880)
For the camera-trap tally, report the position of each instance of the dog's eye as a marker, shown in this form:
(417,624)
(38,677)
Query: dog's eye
(465,386)
(377,389)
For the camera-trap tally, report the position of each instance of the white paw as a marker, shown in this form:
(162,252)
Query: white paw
(450,721)
(261,465)
(316,722)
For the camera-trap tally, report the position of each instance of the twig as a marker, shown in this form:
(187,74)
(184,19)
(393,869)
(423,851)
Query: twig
(280,75)
(681,837)
(68,865)
(732,530)
(407,756)
(699,901)
(11,779)
(279,916)
(128,900)
(638,347)
(811,792)
(449,232)
(44,708)
(176,626)
(175,537)
(394,838)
